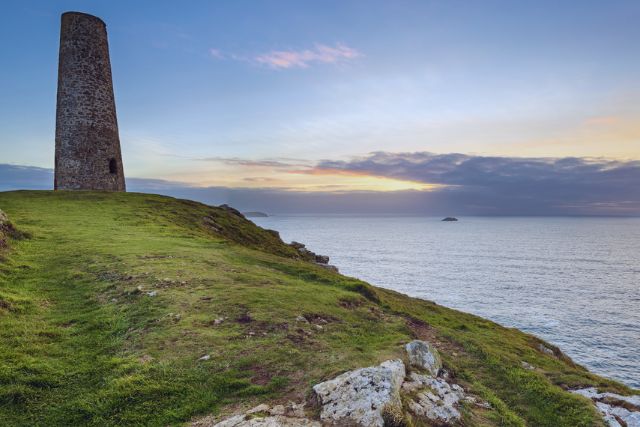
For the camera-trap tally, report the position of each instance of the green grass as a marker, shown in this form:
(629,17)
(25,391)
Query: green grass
(82,342)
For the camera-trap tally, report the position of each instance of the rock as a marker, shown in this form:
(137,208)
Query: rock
(615,408)
(322,259)
(270,421)
(295,409)
(414,383)
(479,403)
(7,230)
(260,408)
(438,401)
(264,416)
(218,320)
(372,397)
(204,358)
(152,293)
(435,399)
(297,245)
(450,219)
(302,319)
(234,421)
(528,366)
(329,267)
(482,404)
(305,251)
(546,350)
(359,397)
(423,355)
(277,410)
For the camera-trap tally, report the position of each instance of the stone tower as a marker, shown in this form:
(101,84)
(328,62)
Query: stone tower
(87,142)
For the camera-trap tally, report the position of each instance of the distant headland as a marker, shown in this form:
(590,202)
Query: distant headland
(255,214)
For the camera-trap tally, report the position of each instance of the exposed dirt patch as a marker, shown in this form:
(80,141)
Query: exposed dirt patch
(263,328)
(8,231)
(350,303)
(168,283)
(244,317)
(621,403)
(5,305)
(261,375)
(320,318)
(299,336)
(155,256)
(114,276)
(620,421)
(423,331)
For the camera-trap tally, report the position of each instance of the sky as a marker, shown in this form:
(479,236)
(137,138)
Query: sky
(434,107)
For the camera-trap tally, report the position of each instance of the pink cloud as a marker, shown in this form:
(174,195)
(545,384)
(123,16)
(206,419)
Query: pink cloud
(320,54)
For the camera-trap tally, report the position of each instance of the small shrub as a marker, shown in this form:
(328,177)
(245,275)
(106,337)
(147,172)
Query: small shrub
(393,416)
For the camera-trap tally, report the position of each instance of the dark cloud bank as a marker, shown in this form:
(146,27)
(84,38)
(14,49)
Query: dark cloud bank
(473,185)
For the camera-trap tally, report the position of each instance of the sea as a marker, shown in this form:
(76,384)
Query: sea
(573,281)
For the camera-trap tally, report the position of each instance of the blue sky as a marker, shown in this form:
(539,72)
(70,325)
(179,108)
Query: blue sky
(262,94)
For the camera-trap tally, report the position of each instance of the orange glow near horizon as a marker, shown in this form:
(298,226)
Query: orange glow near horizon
(308,180)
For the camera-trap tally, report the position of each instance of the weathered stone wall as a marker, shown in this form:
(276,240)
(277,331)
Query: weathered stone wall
(87,142)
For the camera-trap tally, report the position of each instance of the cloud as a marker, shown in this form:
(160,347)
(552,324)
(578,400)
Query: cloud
(466,185)
(513,185)
(277,163)
(319,54)
(216,53)
(261,179)
(284,59)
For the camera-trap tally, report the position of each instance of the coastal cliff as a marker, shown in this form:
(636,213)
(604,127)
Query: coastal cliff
(137,309)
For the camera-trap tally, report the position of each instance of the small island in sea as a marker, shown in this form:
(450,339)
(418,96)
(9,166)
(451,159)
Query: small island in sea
(450,219)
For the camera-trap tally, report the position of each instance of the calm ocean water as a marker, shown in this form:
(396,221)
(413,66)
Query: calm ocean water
(574,282)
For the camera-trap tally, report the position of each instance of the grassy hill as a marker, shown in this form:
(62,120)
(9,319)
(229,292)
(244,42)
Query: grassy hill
(108,300)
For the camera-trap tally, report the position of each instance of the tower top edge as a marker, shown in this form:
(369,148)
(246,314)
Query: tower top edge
(84,16)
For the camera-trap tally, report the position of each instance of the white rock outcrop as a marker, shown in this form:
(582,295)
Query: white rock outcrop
(363,397)
(423,355)
(616,415)
(268,421)
(291,415)
(359,397)
(434,398)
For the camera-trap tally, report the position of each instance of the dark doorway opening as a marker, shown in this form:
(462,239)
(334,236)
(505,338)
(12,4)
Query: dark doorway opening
(113,166)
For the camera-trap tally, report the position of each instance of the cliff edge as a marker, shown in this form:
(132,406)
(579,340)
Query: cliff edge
(138,309)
